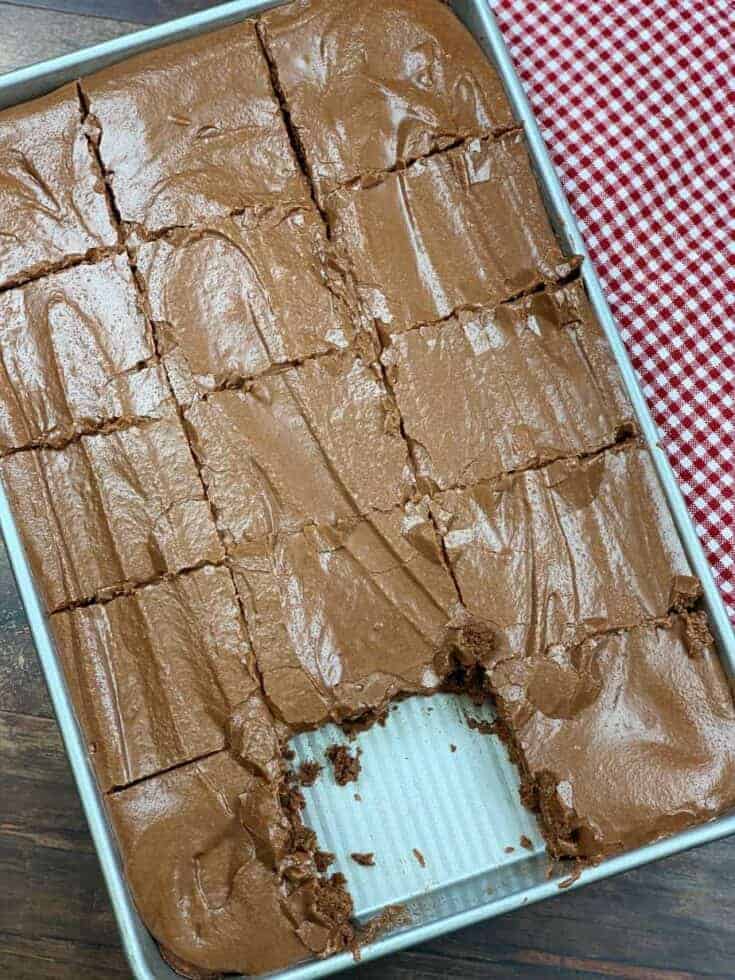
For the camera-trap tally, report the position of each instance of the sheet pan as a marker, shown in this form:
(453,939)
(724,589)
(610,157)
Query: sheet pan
(409,798)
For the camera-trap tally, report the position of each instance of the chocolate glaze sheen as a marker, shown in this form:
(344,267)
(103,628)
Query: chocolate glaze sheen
(372,87)
(303,410)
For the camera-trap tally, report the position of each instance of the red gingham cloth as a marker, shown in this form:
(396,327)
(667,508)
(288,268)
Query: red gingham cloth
(636,101)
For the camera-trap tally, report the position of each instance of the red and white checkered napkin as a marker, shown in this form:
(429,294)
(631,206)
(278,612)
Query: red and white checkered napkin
(636,101)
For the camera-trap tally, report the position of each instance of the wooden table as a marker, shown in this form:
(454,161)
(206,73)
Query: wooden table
(668,921)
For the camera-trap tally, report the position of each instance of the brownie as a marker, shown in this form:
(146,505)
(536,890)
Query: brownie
(462,228)
(346,765)
(240,295)
(110,511)
(344,620)
(576,547)
(370,87)
(496,389)
(192,131)
(622,739)
(155,675)
(304,410)
(314,443)
(52,202)
(71,346)
(206,851)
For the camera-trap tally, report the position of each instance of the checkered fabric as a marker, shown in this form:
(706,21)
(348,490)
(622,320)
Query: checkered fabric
(636,101)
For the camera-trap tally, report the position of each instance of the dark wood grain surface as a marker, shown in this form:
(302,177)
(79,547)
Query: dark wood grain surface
(668,921)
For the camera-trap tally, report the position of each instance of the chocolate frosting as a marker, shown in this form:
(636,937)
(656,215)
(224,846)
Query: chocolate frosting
(302,411)
(372,87)
(494,390)
(344,620)
(551,554)
(240,295)
(316,443)
(192,131)
(52,204)
(110,510)
(155,676)
(463,228)
(621,740)
(70,351)
(195,870)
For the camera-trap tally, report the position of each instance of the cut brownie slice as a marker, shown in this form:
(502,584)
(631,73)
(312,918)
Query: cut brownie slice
(499,389)
(154,676)
(70,347)
(344,620)
(202,848)
(240,295)
(621,740)
(193,131)
(462,228)
(315,443)
(371,87)
(552,554)
(110,510)
(52,202)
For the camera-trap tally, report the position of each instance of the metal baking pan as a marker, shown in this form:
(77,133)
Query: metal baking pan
(409,799)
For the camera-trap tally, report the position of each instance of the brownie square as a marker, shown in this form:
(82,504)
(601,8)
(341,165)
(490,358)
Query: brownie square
(343,620)
(52,201)
(244,294)
(621,740)
(463,228)
(316,443)
(110,510)
(496,389)
(70,348)
(199,873)
(550,555)
(370,87)
(155,675)
(192,131)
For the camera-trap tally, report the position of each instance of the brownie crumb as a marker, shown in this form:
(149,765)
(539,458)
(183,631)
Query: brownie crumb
(365,858)
(322,860)
(390,917)
(697,636)
(289,755)
(482,726)
(452,747)
(292,799)
(419,857)
(332,904)
(526,842)
(576,872)
(303,838)
(358,797)
(686,590)
(509,849)
(346,766)
(308,773)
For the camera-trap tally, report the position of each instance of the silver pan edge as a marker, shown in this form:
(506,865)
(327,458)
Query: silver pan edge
(142,952)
